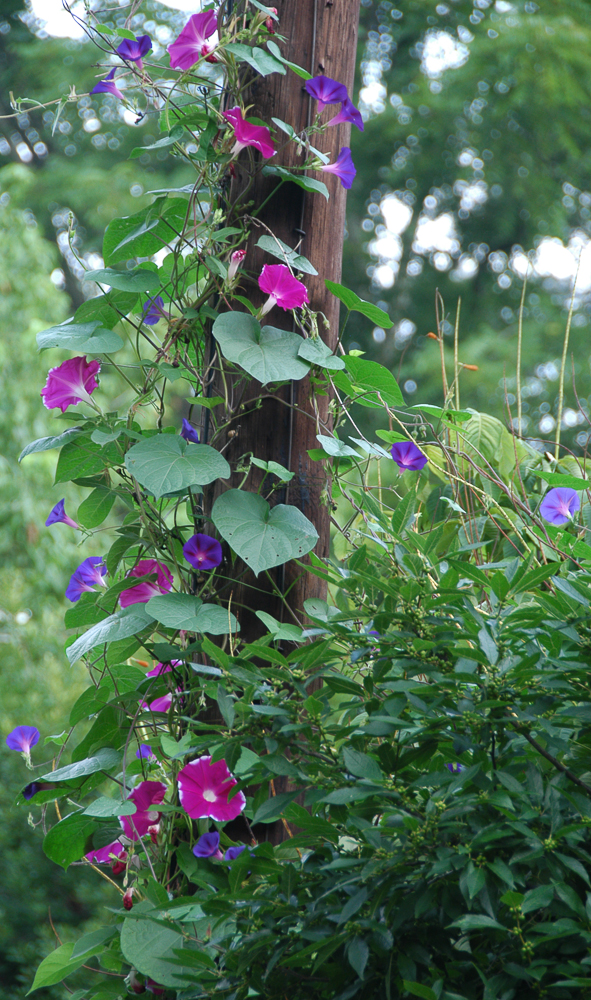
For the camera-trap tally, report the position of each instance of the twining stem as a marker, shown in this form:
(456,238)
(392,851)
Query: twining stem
(519,343)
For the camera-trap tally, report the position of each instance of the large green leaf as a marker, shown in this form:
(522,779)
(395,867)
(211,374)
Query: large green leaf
(269,355)
(263,62)
(184,611)
(85,338)
(102,760)
(94,509)
(307,183)
(67,840)
(129,621)
(47,443)
(352,301)
(138,280)
(145,233)
(165,463)
(280,249)
(367,376)
(261,535)
(57,965)
(147,944)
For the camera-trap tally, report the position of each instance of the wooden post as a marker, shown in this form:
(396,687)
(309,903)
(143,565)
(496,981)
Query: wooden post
(322,37)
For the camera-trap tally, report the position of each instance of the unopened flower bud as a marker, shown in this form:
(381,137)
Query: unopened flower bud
(235,262)
(154,831)
(135,982)
(270,22)
(471,368)
(128,898)
(433,336)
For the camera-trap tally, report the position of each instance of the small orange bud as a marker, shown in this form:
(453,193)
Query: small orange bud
(433,336)
(142,663)
(471,368)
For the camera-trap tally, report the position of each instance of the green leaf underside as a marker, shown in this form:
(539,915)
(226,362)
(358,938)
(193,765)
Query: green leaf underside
(269,355)
(184,611)
(317,353)
(307,183)
(261,536)
(147,944)
(123,624)
(166,463)
(84,338)
(138,280)
(352,301)
(278,248)
(48,443)
(102,760)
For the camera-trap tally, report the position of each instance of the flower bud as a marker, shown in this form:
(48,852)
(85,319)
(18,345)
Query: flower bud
(235,262)
(135,982)
(270,23)
(128,898)
(154,831)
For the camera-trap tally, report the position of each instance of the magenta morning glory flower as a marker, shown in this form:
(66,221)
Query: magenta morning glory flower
(189,433)
(107,853)
(144,752)
(326,91)
(142,592)
(192,44)
(408,456)
(69,383)
(134,49)
(249,135)
(90,574)
(108,86)
(163,668)
(559,505)
(153,311)
(22,739)
(147,795)
(159,704)
(204,788)
(203,552)
(282,288)
(348,114)
(343,167)
(208,846)
(58,514)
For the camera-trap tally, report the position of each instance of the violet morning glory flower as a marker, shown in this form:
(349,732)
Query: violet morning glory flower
(343,167)
(189,433)
(282,288)
(108,86)
(204,788)
(142,592)
(192,44)
(203,552)
(234,852)
(30,790)
(144,752)
(147,795)
(153,311)
(58,514)
(455,768)
(134,49)
(208,846)
(408,456)
(90,574)
(559,505)
(348,114)
(22,739)
(69,383)
(326,91)
(249,135)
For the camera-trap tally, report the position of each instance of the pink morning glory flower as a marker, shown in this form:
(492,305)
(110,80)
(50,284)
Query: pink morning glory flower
(142,592)
(204,788)
(159,704)
(163,668)
(147,795)
(69,383)
(57,515)
(408,456)
(249,135)
(22,739)
(110,852)
(559,505)
(343,167)
(192,44)
(189,433)
(108,86)
(208,846)
(134,49)
(282,288)
(90,574)
(153,311)
(326,91)
(203,552)
(348,114)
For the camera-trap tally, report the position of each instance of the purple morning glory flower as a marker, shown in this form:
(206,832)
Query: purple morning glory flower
(189,433)
(559,505)
(233,852)
(90,574)
(348,114)
(23,738)
(455,768)
(343,167)
(58,515)
(108,86)
(408,456)
(326,91)
(153,311)
(208,846)
(134,49)
(203,552)
(30,790)
(144,752)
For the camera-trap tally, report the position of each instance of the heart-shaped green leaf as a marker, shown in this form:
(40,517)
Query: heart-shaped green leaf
(261,535)
(184,611)
(269,355)
(166,463)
